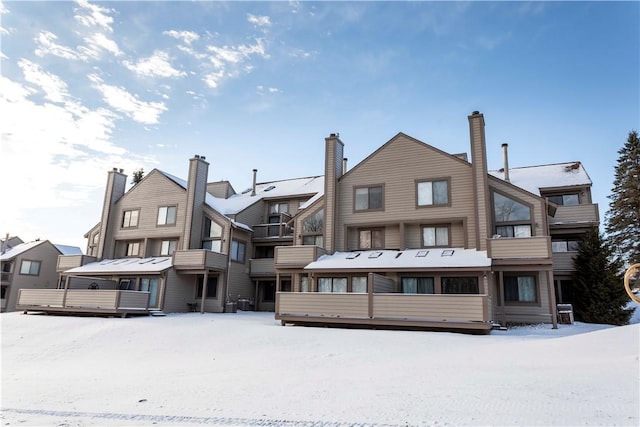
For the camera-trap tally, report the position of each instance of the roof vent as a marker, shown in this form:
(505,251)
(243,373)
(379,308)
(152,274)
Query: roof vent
(421,254)
(269,188)
(246,191)
(375,254)
(447,252)
(353,255)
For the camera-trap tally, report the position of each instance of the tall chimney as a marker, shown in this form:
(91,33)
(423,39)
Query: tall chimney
(116,184)
(253,186)
(344,165)
(196,194)
(505,161)
(480,179)
(333,169)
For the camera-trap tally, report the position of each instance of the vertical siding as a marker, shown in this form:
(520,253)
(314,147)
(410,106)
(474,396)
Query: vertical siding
(397,165)
(179,289)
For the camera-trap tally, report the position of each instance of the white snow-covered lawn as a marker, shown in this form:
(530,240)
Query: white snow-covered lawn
(246,369)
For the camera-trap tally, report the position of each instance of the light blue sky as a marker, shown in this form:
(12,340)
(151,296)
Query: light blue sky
(90,86)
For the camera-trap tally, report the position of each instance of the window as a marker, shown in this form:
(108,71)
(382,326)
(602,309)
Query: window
(278,208)
(512,218)
(211,235)
(432,193)
(460,285)
(212,287)
(565,199)
(312,229)
(264,252)
(418,285)
(520,289)
(435,236)
(168,247)
(133,248)
(332,284)
(304,284)
(30,268)
(368,198)
(359,285)
(237,251)
(565,245)
(130,218)
(371,239)
(167,215)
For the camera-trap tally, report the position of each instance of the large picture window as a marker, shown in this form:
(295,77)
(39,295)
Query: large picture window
(520,289)
(130,218)
(368,198)
(212,235)
(512,218)
(238,251)
(167,215)
(418,285)
(312,229)
(460,285)
(371,239)
(433,236)
(30,268)
(332,284)
(432,193)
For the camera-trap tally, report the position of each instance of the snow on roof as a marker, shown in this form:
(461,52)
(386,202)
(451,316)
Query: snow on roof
(125,265)
(274,189)
(21,248)
(408,258)
(181,182)
(536,178)
(312,200)
(68,250)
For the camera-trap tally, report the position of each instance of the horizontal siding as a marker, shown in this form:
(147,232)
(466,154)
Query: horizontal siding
(575,213)
(41,297)
(322,304)
(382,284)
(526,247)
(66,262)
(563,261)
(263,266)
(404,161)
(134,300)
(91,299)
(433,307)
(289,256)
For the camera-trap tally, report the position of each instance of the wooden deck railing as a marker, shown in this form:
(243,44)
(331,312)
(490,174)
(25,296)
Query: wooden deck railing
(83,300)
(389,308)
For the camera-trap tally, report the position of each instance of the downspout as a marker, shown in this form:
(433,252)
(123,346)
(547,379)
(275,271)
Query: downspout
(228,273)
(552,299)
(205,279)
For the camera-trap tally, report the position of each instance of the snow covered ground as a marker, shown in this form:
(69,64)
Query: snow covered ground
(245,369)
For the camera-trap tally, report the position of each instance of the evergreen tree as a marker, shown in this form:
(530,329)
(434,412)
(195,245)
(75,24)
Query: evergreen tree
(599,294)
(137,176)
(623,218)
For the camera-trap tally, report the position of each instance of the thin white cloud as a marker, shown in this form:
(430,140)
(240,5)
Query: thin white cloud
(91,15)
(46,42)
(259,21)
(121,100)
(54,88)
(157,65)
(97,43)
(230,61)
(213,79)
(187,37)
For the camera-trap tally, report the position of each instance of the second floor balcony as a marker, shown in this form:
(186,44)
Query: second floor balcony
(297,256)
(571,216)
(199,259)
(66,262)
(280,226)
(506,248)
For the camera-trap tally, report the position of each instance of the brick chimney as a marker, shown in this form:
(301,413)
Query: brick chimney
(196,194)
(333,169)
(480,179)
(116,184)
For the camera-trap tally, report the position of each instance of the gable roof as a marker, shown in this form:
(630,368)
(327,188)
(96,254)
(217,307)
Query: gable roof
(406,259)
(68,250)
(537,178)
(19,249)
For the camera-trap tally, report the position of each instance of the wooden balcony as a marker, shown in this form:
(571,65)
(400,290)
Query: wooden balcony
(572,216)
(262,267)
(199,259)
(66,262)
(110,302)
(519,248)
(467,312)
(563,262)
(296,256)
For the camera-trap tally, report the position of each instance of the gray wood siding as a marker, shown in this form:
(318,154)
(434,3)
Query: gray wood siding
(240,284)
(480,179)
(179,289)
(40,297)
(382,284)
(323,304)
(523,247)
(154,191)
(433,307)
(523,313)
(263,266)
(134,300)
(253,214)
(397,166)
(413,235)
(91,299)
(296,256)
(563,262)
(47,254)
(66,262)
(570,215)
